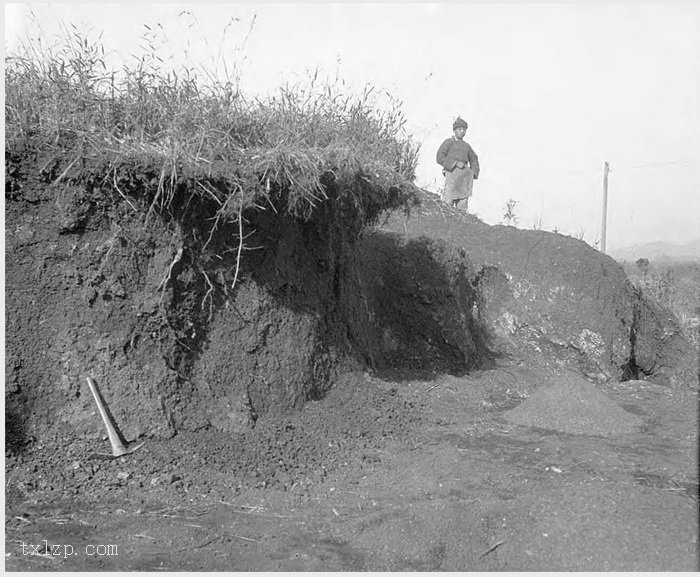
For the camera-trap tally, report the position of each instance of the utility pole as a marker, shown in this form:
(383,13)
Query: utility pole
(604,227)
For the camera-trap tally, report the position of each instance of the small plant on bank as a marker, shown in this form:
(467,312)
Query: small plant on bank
(643,266)
(509,216)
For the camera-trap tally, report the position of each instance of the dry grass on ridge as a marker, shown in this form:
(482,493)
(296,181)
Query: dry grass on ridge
(203,131)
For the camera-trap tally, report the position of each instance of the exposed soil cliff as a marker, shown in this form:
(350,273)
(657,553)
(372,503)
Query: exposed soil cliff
(147,307)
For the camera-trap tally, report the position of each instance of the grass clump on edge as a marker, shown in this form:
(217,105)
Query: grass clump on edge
(202,137)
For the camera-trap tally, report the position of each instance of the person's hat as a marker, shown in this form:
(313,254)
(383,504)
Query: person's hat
(459,123)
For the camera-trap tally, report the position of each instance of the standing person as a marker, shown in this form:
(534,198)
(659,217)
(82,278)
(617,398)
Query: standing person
(460,166)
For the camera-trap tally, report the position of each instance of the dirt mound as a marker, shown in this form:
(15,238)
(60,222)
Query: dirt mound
(573,405)
(545,295)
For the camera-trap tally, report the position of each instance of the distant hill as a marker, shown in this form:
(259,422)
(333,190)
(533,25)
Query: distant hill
(689,251)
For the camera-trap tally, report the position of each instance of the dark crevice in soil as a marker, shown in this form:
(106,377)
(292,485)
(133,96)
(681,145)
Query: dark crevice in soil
(630,370)
(658,349)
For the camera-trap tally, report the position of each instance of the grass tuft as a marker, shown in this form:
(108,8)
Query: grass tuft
(192,133)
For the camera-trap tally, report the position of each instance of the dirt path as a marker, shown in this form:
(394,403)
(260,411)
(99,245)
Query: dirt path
(463,488)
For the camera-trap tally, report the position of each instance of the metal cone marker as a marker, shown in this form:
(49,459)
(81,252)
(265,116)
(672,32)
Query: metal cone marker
(116,439)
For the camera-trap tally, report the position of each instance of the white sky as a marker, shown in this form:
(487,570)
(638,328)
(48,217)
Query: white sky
(550,91)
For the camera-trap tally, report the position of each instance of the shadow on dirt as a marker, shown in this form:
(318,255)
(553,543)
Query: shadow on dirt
(314,299)
(417,305)
(16,438)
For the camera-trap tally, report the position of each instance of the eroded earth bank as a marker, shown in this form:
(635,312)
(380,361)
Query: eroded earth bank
(427,393)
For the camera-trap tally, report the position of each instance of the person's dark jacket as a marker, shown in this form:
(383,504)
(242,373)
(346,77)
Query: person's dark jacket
(453,150)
